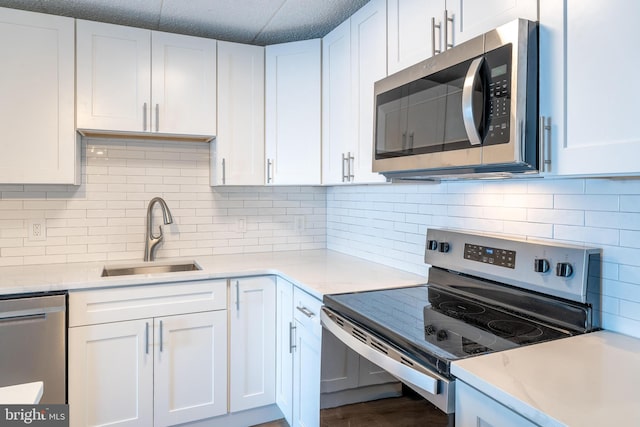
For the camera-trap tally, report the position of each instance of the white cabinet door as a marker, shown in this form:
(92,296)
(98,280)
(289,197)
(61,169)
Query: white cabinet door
(113,84)
(238,151)
(285,342)
(293,113)
(252,331)
(190,367)
(368,64)
(111,374)
(306,360)
(593,128)
(38,142)
(306,377)
(340,365)
(412,35)
(473,17)
(336,104)
(183,84)
(475,409)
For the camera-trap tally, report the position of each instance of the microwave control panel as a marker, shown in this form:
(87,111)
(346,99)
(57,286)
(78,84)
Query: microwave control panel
(499,62)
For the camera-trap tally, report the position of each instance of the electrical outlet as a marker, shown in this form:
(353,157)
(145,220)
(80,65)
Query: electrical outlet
(36,229)
(299,223)
(241,224)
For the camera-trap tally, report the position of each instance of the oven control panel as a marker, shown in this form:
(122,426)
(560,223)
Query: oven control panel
(547,267)
(494,256)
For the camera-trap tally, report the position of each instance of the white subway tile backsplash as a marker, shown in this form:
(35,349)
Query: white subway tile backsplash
(104,218)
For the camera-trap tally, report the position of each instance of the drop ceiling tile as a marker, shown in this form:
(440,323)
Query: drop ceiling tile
(305,19)
(138,13)
(234,20)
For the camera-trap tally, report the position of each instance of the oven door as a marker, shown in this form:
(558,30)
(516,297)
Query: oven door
(435,388)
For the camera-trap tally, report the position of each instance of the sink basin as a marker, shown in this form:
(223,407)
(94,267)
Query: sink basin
(149,268)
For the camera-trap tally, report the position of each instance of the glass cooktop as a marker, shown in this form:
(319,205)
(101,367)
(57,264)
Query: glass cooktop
(436,326)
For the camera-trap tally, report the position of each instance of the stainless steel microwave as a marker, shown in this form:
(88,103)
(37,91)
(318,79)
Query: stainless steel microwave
(470,110)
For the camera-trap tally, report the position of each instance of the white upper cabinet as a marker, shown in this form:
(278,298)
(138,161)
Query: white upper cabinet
(475,17)
(135,80)
(337,143)
(593,129)
(238,154)
(412,32)
(183,78)
(38,142)
(368,65)
(419,29)
(293,113)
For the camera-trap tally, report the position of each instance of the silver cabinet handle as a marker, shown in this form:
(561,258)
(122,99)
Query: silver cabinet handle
(146,338)
(304,310)
(545,143)
(351,162)
(161,336)
(448,45)
(468,115)
(224,171)
(269,177)
(237,295)
(292,340)
(433,36)
(144,117)
(157,117)
(345,176)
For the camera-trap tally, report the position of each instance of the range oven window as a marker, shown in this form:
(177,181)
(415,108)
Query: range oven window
(426,115)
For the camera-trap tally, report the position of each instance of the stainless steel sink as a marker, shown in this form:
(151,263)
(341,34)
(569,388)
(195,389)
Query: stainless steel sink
(149,268)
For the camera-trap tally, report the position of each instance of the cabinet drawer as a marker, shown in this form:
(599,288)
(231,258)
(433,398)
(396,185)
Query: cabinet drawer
(307,311)
(135,302)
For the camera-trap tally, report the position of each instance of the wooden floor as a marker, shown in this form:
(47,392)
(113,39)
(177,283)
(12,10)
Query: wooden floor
(405,411)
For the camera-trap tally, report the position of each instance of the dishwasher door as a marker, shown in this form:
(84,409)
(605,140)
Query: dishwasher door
(33,344)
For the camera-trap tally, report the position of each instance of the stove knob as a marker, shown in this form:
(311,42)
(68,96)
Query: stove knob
(444,247)
(564,269)
(429,329)
(540,265)
(442,335)
(432,245)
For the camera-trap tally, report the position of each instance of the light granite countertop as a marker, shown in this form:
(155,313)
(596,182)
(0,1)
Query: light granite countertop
(318,272)
(582,381)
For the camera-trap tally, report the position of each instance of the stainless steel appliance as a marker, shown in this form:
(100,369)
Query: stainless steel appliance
(33,343)
(484,294)
(470,110)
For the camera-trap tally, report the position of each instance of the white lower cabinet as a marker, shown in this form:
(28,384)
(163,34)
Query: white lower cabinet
(190,367)
(476,409)
(165,369)
(284,348)
(306,360)
(252,340)
(299,352)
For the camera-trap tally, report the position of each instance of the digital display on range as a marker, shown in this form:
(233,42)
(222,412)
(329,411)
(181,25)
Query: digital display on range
(494,256)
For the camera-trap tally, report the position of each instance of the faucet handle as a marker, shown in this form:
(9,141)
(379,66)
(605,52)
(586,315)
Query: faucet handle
(161,235)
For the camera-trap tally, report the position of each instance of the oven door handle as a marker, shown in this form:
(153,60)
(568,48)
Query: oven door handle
(468,114)
(406,370)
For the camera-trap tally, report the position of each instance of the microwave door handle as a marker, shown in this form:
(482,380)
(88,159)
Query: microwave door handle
(468,115)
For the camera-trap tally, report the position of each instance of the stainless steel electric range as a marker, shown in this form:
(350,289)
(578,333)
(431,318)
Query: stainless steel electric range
(484,294)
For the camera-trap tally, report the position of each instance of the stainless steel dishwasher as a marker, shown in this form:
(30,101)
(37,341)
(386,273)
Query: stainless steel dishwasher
(33,343)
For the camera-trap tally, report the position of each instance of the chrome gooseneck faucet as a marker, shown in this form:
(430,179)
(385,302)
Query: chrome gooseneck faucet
(151,240)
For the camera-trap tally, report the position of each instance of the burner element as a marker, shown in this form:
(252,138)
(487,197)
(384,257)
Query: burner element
(459,309)
(514,328)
